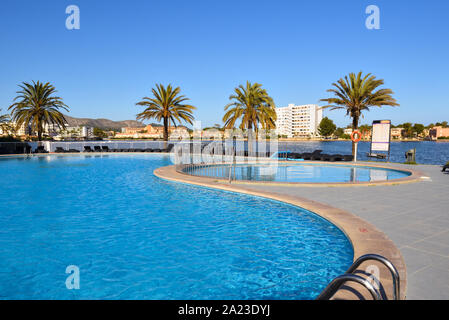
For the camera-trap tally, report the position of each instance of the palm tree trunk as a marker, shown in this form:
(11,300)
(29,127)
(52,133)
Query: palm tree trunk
(39,132)
(355,126)
(250,139)
(165,132)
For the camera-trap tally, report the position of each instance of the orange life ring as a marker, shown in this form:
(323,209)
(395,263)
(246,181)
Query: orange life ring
(359,136)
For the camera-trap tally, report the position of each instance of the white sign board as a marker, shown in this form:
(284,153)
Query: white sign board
(380,140)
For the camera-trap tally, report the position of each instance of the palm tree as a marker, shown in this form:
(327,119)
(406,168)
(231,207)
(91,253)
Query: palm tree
(36,106)
(253,106)
(168,106)
(356,94)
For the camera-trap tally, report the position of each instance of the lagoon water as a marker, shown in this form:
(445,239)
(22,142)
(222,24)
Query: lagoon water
(427,152)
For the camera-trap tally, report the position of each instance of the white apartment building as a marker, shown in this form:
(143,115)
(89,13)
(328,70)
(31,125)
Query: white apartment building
(21,131)
(298,121)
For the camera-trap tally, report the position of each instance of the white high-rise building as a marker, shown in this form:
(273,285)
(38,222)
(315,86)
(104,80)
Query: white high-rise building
(298,121)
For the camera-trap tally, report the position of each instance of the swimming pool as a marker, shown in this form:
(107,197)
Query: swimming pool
(135,236)
(298,172)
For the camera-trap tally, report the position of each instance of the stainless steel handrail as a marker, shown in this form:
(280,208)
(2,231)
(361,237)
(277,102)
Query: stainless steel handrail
(335,285)
(394,272)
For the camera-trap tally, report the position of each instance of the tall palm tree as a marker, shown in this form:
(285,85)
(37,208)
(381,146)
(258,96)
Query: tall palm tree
(252,105)
(168,106)
(357,93)
(36,106)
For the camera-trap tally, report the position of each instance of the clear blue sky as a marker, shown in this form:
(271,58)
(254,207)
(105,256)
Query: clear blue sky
(296,49)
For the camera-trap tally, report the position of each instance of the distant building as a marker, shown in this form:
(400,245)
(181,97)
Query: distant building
(298,121)
(87,132)
(396,133)
(438,132)
(79,132)
(284,122)
(23,130)
(144,132)
(347,131)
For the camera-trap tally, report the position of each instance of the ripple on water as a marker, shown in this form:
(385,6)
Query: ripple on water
(135,236)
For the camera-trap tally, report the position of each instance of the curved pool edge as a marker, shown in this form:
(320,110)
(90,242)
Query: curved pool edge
(364,237)
(415,176)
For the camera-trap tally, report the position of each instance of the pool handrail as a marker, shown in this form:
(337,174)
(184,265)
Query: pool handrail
(387,263)
(335,285)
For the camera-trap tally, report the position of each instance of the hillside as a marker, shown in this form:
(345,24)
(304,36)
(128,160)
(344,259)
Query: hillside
(104,124)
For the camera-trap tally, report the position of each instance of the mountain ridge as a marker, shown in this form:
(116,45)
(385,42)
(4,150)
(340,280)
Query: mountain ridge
(102,123)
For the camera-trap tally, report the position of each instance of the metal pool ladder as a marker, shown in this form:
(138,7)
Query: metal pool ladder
(349,276)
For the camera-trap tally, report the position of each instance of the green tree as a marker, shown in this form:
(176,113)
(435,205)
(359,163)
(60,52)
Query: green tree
(166,105)
(99,133)
(357,93)
(408,130)
(251,105)
(326,127)
(339,132)
(443,124)
(418,128)
(36,106)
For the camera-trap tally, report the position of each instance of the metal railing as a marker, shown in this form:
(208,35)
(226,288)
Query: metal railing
(336,284)
(349,276)
(394,272)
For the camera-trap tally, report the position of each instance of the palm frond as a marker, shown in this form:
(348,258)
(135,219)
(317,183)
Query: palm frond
(36,105)
(357,93)
(251,105)
(168,105)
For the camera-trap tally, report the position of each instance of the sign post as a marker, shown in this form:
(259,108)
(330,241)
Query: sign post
(356,136)
(380,139)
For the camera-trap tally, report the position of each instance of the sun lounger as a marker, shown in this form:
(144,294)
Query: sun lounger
(60,150)
(88,149)
(348,157)
(97,148)
(322,157)
(73,151)
(310,156)
(295,156)
(337,157)
(319,156)
(105,148)
(40,149)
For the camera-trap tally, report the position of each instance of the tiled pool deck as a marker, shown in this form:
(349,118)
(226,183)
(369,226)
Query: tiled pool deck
(415,216)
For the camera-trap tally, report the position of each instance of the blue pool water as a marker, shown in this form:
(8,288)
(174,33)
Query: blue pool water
(135,236)
(297,172)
